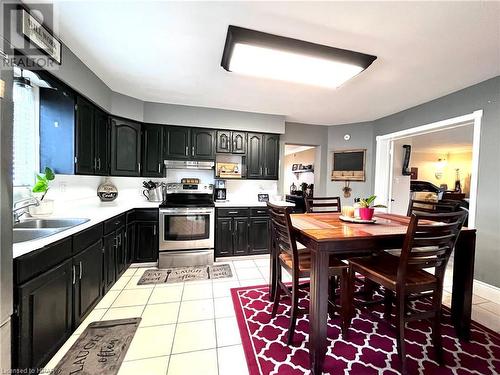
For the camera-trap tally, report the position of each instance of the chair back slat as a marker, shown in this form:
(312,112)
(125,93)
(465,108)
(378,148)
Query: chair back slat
(429,241)
(323,204)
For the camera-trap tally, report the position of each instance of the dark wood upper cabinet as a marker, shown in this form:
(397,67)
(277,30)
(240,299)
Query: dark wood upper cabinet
(177,142)
(152,150)
(254,156)
(271,156)
(223,141)
(202,143)
(231,142)
(239,142)
(88,280)
(125,148)
(101,148)
(85,161)
(44,316)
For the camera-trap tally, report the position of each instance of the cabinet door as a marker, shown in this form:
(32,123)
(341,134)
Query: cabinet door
(239,142)
(85,157)
(125,148)
(254,156)
(240,236)
(109,260)
(146,241)
(224,144)
(101,131)
(202,144)
(121,252)
(224,237)
(271,156)
(258,241)
(152,151)
(131,242)
(177,142)
(44,319)
(88,287)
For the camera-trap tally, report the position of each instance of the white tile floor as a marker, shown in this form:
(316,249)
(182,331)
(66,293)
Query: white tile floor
(190,328)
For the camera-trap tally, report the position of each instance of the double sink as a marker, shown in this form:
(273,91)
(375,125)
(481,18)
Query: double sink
(33,229)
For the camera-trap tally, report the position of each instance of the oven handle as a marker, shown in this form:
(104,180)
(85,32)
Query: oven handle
(181,211)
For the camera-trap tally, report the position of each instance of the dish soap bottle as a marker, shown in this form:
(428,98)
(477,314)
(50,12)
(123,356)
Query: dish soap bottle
(356,207)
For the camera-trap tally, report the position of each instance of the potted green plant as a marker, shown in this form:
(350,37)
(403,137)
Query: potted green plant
(42,186)
(367,208)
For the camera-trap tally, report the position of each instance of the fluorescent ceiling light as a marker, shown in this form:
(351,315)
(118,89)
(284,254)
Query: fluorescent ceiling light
(270,56)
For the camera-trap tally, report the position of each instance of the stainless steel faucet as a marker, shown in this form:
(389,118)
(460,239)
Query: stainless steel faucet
(23,204)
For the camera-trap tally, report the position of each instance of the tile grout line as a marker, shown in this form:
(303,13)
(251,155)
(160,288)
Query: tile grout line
(215,331)
(175,331)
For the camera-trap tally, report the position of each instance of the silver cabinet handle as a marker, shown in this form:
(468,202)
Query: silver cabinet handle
(95,163)
(261,212)
(159,167)
(81,270)
(187,150)
(260,169)
(99,163)
(74,274)
(232,212)
(235,227)
(119,240)
(154,230)
(267,170)
(192,150)
(230,225)
(139,166)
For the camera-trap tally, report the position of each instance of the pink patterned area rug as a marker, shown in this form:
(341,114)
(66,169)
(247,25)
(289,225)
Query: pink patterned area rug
(369,349)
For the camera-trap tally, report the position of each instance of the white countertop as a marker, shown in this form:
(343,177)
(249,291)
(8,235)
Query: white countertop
(230,203)
(90,208)
(97,212)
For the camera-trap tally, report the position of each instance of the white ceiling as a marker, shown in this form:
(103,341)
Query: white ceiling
(170,52)
(447,141)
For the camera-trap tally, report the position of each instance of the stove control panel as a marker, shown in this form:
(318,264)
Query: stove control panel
(176,188)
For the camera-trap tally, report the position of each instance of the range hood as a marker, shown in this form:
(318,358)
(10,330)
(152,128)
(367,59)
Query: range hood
(188,164)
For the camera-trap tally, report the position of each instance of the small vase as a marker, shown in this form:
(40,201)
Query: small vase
(45,208)
(366,213)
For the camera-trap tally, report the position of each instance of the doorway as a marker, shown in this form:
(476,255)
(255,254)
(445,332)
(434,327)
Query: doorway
(299,169)
(392,186)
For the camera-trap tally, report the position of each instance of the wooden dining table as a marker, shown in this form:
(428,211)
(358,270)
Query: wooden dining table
(325,234)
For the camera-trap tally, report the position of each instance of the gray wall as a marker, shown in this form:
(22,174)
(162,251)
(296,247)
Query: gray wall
(485,96)
(212,117)
(361,138)
(308,135)
(126,106)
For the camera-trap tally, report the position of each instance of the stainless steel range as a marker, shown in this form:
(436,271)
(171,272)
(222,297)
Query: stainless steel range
(187,217)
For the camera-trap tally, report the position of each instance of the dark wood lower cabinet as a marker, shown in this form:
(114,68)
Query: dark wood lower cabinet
(258,235)
(43,320)
(121,252)
(109,259)
(87,267)
(130,242)
(146,247)
(241,235)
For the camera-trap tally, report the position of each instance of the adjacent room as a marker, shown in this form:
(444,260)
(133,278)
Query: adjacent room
(249,187)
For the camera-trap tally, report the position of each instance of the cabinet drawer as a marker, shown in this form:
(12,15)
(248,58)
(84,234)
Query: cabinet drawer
(114,223)
(39,261)
(147,214)
(258,211)
(232,212)
(87,237)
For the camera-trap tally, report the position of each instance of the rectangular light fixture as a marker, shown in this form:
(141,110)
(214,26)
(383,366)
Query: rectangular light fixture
(271,56)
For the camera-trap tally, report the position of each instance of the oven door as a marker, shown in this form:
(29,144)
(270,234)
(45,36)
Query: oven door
(186,228)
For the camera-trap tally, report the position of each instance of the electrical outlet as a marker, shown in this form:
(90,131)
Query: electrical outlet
(62,187)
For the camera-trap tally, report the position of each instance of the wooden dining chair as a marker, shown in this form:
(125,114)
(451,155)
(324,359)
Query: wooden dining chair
(323,204)
(428,244)
(298,264)
(432,207)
